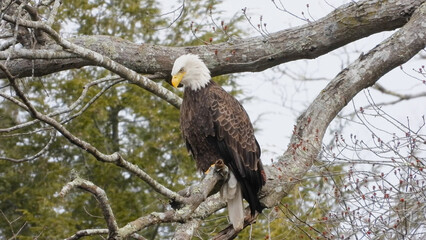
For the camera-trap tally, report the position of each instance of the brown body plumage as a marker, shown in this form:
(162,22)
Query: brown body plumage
(216,126)
(221,129)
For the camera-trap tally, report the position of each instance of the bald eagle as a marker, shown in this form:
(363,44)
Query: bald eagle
(215,126)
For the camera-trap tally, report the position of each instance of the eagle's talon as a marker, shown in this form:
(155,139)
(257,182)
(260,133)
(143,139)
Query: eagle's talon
(208,170)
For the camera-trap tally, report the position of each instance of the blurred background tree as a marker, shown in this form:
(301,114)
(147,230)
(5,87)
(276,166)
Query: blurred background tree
(125,118)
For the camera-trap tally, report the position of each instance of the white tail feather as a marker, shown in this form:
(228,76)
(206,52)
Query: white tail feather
(231,192)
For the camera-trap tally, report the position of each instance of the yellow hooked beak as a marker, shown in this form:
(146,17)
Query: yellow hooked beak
(177,78)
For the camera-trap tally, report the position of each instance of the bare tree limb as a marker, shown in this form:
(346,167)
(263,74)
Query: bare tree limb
(345,24)
(400,97)
(14,100)
(47,54)
(87,232)
(35,156)
(306,140)
(196,197)
(106,62)
(308,134)
(102,198)
(73,106)
(230,233)
(186,230)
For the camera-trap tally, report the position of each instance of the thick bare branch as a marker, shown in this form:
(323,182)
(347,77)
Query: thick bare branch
(47,54)
(186,230)
(311,125)
(196,197)
(103,60)
(345,24)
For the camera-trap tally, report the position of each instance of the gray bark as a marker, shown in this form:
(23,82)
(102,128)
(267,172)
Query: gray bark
(344,25)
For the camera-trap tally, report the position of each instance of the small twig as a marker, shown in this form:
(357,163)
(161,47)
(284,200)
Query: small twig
(244,10)
(309,12)
(35,156)
(15,101)
(73,106)
(182,7)
(87,232)
(15,235)
(382,89)
(303,222)
(194,31)
(53,12)
(282,8)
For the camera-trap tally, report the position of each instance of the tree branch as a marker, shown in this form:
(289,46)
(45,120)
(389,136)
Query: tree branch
(307,136)
(103,60)
(196,197)
(345,24)
(73,106)
(87,232)
(195,200)
(102,198)
(35,156)
(186,230)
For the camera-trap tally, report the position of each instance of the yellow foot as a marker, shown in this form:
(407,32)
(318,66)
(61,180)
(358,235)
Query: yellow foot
(208,170)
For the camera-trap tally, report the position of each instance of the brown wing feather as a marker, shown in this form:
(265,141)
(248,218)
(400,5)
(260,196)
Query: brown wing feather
(216,126)
(234,127)
(237,143)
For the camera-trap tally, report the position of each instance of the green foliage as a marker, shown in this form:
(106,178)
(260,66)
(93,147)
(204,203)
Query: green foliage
(126,118)
(127,19)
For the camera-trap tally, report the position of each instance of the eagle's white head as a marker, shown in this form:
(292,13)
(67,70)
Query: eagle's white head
(191,71)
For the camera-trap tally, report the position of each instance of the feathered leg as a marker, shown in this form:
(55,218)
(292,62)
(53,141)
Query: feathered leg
(231,193)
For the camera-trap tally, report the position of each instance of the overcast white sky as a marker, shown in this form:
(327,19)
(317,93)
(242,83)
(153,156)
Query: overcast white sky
(279,100)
